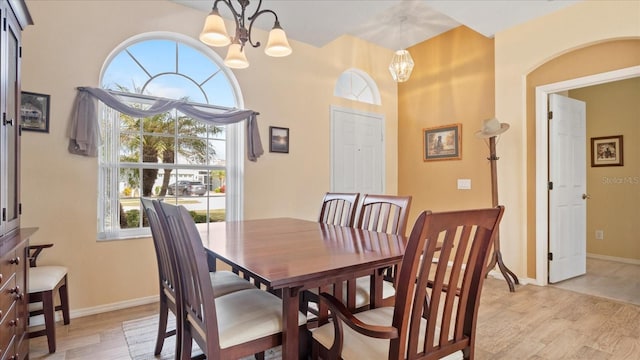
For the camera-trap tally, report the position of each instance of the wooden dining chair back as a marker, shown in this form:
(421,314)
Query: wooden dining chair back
(437,299)
(339,208)
(384,213)
(167,276)
(381,213)
(235,325)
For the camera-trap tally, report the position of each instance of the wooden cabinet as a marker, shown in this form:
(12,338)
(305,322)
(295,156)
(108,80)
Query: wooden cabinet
(14,344)
(14,17)
(14,263)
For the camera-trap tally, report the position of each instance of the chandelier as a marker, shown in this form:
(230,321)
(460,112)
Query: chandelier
(215,33)
(402,63)
(401,66)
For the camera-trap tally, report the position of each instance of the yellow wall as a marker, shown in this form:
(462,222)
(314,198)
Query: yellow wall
(67,48)
(614,207)
(520,50)
(452,82)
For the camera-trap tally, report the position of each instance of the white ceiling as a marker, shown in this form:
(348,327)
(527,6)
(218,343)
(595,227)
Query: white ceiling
(392,24)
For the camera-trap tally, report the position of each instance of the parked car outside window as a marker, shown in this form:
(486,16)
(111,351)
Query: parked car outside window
(185,187)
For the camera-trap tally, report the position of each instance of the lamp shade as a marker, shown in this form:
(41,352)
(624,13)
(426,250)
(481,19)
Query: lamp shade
(236,58)
(401,66)
(214,32)
(277,45)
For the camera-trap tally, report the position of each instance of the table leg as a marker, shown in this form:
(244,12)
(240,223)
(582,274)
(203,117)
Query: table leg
(290,335)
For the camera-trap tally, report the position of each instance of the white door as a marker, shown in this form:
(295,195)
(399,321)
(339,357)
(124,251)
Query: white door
(568,186)
(357,152)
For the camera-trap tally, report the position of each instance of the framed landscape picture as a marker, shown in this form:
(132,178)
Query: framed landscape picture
(442,143)
(34,112)
(279,139)
(607,151)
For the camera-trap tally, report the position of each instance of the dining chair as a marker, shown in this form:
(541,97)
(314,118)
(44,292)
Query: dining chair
(224,281)
(43,283)
(338,208)
(437,300)
(381,213)
(231,326)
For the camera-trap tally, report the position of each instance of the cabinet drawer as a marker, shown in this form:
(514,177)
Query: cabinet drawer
(7,332)
(8,266)
(7,297)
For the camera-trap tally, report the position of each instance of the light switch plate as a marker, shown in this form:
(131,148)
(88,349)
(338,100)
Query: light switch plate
(464,184)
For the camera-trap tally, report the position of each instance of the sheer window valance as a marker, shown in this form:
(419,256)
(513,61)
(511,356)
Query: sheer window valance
(84,136)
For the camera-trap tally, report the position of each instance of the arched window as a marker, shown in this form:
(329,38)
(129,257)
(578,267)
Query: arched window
(354,84)
(168,156)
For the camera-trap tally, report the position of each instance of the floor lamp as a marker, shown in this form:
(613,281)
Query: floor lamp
(491,128)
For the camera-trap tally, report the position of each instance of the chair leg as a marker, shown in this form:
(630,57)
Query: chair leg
(64,301)
(49,320)
(162,327)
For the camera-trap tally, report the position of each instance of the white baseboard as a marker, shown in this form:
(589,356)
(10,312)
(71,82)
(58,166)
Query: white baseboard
(39,320)
(614,258)
(496,274)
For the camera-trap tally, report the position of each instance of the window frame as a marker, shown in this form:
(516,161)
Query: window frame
(235,145)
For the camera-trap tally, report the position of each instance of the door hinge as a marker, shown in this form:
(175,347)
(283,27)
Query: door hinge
(20,52)
(550,185)
(4,214)
(4,118)
(20,209)
(550,256)
(550,115)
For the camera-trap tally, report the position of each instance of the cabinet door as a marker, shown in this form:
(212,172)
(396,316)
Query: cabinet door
(11,125)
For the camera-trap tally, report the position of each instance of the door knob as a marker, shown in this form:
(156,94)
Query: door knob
(586,196)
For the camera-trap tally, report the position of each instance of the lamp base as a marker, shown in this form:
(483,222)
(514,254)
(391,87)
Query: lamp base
(509,276)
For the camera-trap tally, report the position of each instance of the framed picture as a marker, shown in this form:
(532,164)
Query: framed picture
(279,139)
(442,143)
(34,112)
(606,151)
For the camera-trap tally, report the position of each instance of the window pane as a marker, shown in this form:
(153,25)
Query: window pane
(129,148)
(160,124)
(219,155)
(130,213)
(194,151)
(219,91)
(156,56)
(123,73)
(194,64)
(177,87)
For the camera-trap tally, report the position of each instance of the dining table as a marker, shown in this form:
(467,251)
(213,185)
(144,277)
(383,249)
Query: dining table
(290,255)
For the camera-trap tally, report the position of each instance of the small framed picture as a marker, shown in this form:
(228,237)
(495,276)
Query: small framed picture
(34,112)
(606,151)
(279,139)
(442,143)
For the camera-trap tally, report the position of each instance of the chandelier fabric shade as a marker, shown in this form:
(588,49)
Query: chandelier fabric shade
(401,66)
(214,33)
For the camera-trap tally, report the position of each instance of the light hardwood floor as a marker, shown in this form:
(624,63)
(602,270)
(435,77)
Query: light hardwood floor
(532,323)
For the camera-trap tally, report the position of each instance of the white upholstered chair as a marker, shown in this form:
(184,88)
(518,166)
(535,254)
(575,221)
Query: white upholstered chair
(44,283)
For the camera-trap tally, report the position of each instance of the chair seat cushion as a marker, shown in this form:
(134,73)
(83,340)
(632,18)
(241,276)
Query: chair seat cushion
(357,346)
(363,284)
(226,282)
(248,315)
(45,278)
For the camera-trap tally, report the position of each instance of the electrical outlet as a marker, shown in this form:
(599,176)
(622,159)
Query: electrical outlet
(464,184)
(599,235)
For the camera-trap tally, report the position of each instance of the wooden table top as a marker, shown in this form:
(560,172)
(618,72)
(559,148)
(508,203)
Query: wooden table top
(288,253)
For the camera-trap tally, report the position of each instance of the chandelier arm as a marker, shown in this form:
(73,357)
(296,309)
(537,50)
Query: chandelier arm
(236,14)
(253,18)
